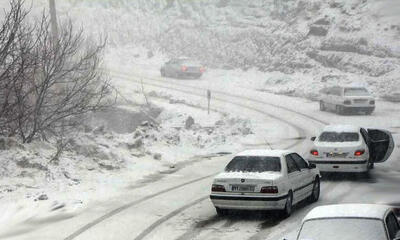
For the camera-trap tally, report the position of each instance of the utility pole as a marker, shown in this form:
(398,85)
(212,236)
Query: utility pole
(53,19)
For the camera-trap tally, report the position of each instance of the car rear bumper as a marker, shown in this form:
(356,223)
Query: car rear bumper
(242,202)
(341,165)
(190,74)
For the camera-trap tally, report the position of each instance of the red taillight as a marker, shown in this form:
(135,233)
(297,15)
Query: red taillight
(269,189)
(314,152)
(184,68)
(359,152)
(202,69)
(218,188)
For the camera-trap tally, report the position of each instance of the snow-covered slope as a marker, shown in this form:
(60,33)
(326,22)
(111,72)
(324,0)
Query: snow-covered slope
(323,41)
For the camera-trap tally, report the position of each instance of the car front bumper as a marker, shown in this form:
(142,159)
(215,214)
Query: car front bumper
(358,108)
(341,165)
(243,202)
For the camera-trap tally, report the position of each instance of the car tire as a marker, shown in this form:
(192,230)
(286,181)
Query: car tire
(322,107)
(221,212)
(316,190)
(339,110)
(287,211)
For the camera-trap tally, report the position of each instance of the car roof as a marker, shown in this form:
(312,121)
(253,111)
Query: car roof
(264,152)
(348,211)
(341,128)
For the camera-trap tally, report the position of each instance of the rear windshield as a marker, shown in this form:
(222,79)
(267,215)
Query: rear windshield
(339,137)
(189,62)
(254,164)
(356,92)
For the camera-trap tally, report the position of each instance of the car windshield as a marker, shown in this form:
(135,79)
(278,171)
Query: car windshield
(339,137)
(342,229)
(254,164)
(356,92)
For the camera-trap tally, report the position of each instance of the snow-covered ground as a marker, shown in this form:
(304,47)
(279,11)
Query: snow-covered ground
(129,145)
(114,150)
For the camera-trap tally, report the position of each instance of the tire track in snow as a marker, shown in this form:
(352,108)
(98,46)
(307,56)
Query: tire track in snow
(192,233)
(191,92)
(160,80)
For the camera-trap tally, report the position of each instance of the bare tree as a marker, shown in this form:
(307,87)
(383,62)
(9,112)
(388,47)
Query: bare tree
(50,82)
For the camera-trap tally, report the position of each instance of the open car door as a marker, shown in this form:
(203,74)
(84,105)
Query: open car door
(381,145)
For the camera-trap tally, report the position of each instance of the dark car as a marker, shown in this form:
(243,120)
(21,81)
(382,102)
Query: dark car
(182,68)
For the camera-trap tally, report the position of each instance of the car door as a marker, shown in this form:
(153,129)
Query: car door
(171,67)
(381,145)
(392,226)
(327,97)
(306,173)
(295,177)
(337,99)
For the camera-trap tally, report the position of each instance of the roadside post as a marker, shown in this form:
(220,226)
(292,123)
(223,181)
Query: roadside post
(208,99)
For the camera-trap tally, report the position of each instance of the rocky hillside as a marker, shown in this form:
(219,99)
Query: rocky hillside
(349,40)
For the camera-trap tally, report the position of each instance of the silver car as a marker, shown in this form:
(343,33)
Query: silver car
(347,99)
(182,68)
(349,222)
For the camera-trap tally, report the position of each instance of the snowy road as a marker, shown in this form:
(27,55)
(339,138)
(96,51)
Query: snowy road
(177,206)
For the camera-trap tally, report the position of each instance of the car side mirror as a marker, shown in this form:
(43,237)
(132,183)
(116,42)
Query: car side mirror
(312,166)
(313,138)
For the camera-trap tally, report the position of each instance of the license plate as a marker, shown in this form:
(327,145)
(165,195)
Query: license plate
(336,155)
(242,188)
(360,101)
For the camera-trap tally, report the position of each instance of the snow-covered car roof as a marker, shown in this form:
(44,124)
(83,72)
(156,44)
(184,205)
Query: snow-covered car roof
(348,211)
(341,128)
(264,152)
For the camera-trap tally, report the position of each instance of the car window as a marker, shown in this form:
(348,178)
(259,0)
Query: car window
(291,165)
(189,62)
(342,229)
(336,91)
(392,225)
(356,92)
(254,164)
(301,163)
(339,137)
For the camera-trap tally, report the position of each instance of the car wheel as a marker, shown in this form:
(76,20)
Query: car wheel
(322,106)
(221,212)
(339,110)
(315,191)
(287,211)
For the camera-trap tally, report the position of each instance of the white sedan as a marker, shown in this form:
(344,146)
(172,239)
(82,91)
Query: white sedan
(347,148)
(265,180)
(349,222)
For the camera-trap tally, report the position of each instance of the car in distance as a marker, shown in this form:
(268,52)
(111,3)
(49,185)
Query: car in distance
(265,180)
(182,68)
(349,222)
(346,99)
(348,148)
